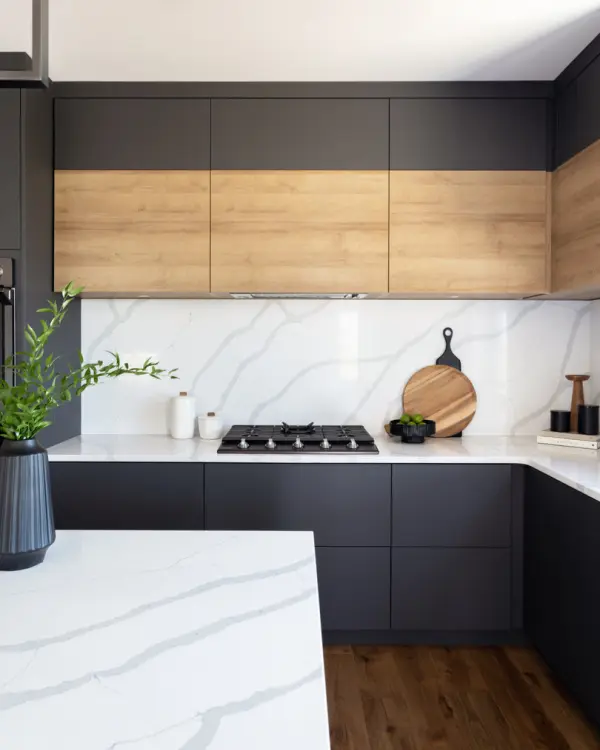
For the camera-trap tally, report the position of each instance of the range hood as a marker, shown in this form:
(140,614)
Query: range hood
(295,295)
(18,69)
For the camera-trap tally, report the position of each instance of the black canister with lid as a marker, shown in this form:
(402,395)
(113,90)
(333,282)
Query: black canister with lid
(588,419)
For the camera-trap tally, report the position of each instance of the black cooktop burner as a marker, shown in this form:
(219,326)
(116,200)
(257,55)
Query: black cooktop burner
(308,438)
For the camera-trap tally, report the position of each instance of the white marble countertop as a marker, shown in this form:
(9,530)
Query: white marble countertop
(164,641)
(577,467)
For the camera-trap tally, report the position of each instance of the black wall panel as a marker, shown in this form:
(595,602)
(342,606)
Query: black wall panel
(474,134)
(132,133)
(10,152)
(299,134)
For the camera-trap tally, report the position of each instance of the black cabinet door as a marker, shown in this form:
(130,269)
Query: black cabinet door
(10,155)
(354,587)
(459,134)
(562,563)
(149,496)
(344,505)
(132,134)
(451,506)
(451,589)
(297,134)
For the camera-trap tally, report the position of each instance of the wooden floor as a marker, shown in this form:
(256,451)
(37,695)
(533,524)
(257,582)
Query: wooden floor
(424,698)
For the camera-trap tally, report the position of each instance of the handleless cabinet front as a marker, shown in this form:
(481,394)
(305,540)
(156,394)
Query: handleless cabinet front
(132,195)
(469,196)
(10,153)
(343,505)
(299,195)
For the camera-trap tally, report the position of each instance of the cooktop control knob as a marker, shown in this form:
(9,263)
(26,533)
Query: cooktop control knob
(297,445)
(271,444)
(353,445)
(243,444)
(325,444)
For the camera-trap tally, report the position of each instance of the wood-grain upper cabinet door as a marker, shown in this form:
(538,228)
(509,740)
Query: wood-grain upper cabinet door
(469,197)
(576,224)
(132,195)
(299,195)
(468,232)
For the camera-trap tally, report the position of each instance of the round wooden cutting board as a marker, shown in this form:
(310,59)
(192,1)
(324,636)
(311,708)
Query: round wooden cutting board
(443,394)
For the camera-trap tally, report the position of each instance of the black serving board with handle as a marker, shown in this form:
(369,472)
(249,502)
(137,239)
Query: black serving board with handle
(449,358)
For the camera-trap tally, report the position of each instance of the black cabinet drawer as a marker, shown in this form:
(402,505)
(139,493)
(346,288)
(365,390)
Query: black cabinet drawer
(300,134)
(132,134)
(451,589)
(127,496)
(464,134)
(10,153)
(344,505)
(451,506)
(354,588)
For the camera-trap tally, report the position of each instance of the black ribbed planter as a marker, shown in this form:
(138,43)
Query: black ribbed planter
(26,518)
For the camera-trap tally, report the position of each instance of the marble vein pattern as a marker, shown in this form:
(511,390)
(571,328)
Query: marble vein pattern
(164,640)
(333,361)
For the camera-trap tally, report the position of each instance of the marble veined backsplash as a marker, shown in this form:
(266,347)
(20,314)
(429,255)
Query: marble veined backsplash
(334,361)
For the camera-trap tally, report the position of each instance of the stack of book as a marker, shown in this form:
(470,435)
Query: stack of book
(569,439)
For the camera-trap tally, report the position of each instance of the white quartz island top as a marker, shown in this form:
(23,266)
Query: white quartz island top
(164,641)
(577,467)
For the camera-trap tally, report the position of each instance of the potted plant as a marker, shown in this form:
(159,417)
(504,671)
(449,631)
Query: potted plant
(26,518)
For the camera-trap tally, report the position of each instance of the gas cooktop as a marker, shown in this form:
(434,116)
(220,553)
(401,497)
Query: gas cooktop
(285,438)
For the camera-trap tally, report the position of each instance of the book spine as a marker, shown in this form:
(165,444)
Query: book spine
(566,443)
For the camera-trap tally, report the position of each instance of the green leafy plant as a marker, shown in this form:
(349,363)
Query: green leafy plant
(39,388)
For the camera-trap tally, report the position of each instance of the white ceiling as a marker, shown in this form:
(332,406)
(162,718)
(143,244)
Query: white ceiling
(307,40)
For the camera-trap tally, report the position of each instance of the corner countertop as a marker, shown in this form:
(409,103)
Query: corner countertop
(577,467)
(164,640)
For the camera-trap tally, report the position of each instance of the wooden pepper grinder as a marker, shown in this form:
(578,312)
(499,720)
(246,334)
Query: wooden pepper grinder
(577,398)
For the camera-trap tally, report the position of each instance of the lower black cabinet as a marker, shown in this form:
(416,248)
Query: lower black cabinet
(354,587)
(345,505)
(160,496)
(451,589)
(562,566)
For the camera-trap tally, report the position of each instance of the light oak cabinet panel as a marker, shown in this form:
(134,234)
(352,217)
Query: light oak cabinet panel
(468,232)
(119,232)
(299,231)
(576,224)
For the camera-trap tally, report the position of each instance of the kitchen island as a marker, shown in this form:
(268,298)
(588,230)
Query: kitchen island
(164,640)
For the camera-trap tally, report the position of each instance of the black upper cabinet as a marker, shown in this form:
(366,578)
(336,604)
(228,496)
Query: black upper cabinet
(562,560)
(469,134)
(127,496)
(10,155)
(132,134)
(578,114)
(451,506)
(298,134)
(344,505)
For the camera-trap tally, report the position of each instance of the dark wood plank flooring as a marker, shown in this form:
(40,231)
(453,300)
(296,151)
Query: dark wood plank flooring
(435,698)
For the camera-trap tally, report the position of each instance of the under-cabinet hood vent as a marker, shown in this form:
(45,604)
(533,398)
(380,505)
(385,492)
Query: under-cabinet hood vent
(294,295)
